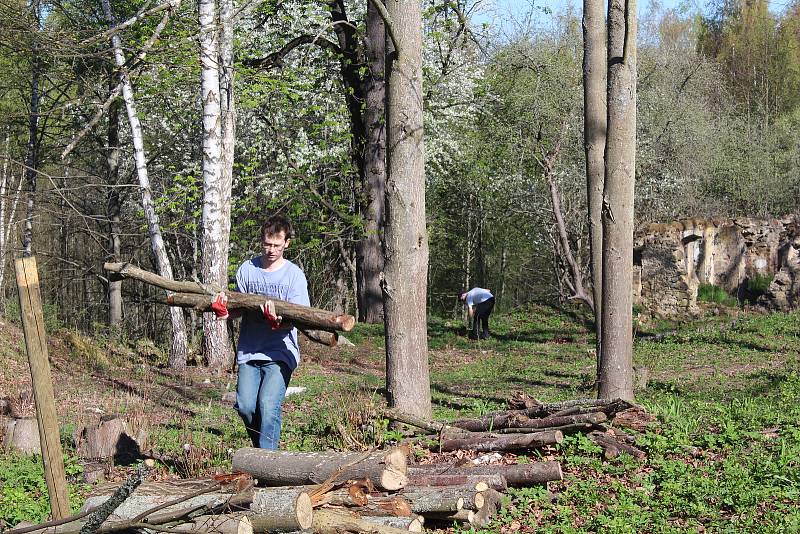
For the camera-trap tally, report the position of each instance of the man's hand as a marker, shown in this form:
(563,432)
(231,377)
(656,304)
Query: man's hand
(268,309)
(220,306)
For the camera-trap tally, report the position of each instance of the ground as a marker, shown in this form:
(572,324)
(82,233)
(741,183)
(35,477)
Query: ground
(722,454)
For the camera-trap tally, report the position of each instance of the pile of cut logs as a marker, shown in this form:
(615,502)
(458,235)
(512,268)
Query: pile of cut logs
(530,424)
(375,491)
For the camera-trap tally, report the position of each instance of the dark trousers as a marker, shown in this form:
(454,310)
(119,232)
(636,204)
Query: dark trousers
(480,319)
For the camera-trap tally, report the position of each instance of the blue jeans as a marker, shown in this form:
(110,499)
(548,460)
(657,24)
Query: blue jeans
(260,389)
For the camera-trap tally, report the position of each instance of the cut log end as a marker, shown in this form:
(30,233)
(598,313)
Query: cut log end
(347,322)
(305,513)
(392,479)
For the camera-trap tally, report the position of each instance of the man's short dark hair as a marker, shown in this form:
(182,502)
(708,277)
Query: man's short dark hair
(275,225)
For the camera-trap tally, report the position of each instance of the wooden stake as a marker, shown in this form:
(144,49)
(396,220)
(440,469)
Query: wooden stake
(30,305)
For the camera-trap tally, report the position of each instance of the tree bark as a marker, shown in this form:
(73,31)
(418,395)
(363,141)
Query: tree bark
(517,419)
(113,210)
(216,192)
(594,141)
(410,524)
(479,482)
(218,524)
(331,522)
(442,499)
(177,356)
(517,476)
(386,469)
(369,253)
(406,242)
(615,377)
(508,442)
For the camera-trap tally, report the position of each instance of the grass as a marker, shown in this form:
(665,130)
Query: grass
(715,295)
(723,456)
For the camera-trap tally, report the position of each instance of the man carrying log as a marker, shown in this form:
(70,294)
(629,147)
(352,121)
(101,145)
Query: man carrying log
(480,303)
(268,350)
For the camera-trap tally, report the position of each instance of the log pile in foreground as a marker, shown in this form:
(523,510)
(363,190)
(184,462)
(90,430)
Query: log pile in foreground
(376,492)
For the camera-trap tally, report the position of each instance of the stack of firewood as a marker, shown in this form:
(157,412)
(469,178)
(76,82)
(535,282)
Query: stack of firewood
(376,491)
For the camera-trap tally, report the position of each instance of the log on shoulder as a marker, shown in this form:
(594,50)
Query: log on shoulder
(199,296)
(386,469)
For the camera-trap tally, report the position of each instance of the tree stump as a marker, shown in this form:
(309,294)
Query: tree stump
(22,436)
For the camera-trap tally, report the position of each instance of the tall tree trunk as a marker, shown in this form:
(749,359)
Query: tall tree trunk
(369,262)
(178,351)
(32,149)
(114,208)
(594,142)
(216,196)
(406,242)
(616,364)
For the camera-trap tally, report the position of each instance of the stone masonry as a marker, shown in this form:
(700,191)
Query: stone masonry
(672,260)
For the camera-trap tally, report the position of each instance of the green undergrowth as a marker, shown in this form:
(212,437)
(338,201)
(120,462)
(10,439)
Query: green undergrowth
(722,453)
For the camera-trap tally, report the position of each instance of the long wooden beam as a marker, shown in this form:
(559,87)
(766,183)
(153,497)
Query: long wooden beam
(199,296)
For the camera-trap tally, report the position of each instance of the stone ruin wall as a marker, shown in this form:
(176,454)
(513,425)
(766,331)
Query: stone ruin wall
(672,260)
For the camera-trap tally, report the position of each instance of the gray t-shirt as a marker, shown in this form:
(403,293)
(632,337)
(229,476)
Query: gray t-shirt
(257,339)
(476,295)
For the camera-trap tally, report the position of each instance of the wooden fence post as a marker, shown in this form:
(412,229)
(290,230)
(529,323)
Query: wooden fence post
(30,304)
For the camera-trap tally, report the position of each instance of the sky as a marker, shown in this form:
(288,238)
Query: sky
(504,9)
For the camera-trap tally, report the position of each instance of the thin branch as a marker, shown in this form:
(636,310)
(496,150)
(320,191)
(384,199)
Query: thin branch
(118,89)
(171,4)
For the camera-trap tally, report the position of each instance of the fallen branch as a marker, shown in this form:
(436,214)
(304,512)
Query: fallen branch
(505,442)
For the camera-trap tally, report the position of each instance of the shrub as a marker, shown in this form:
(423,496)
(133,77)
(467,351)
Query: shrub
(759,284)
(716,295)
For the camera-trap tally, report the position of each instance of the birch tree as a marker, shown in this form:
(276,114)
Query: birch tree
(216,182)
(616,352)
(178,352)
(406,241)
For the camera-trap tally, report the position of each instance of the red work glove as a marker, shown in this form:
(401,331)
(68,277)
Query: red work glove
(268,309)
(219,306)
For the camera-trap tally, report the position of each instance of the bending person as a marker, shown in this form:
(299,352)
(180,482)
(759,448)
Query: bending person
(480,303)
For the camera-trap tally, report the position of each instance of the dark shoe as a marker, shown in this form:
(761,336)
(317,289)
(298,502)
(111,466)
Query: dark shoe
(485,335)
(472,336)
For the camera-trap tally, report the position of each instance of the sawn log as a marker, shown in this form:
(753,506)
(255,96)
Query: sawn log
(517,475)
(386,469)
(504,442)
(199,296)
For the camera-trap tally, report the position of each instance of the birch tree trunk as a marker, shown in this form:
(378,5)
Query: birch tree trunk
(406,242)
(616,363)
(594,142)
(216,196)
(8,208)
(369,255)
(113,211)
(177,356)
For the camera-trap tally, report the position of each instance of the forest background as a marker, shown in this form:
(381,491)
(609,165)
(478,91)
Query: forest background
(718,95)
